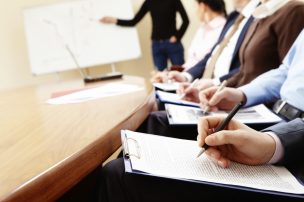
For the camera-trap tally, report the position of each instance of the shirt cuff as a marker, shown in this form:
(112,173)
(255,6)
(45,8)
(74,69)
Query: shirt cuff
(279,149)
(188,76)
(250,94)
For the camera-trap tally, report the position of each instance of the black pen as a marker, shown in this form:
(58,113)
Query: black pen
(223,125)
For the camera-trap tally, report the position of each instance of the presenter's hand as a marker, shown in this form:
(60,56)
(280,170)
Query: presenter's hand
(191,93)
(108,20)
(237,143)
(173,39)
(226,99)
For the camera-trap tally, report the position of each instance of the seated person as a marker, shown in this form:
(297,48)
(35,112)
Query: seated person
(262,49)
(283,84)
(245,7)
(282,143)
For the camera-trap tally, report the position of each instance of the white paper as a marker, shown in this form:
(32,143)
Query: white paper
(95,93)
(167,86)
(176,158)
(174,98)
(65,33)
(189,115)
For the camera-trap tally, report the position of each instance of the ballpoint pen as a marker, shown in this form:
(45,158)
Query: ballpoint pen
(192,85)
(223,124)
(221,87)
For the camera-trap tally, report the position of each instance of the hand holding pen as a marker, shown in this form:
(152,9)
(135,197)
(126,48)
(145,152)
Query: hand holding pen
(192,85)
(224,99)
(221,87)
(223,124)
(237,142)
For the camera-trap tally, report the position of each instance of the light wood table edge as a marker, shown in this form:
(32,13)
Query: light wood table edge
(53,183)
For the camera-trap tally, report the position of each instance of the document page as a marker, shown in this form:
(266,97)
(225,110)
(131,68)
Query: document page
(95,93)
(176,158)
(174,98)
(189,115)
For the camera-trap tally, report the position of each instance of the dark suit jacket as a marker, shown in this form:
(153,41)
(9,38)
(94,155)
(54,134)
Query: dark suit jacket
(198,70)
(291,135)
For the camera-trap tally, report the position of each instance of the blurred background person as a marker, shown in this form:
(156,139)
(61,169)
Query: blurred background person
(166,38)
(212,15)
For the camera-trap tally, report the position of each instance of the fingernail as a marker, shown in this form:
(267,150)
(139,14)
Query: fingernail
(222,164)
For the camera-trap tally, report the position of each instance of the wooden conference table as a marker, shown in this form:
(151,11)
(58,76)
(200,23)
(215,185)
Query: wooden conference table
(46,149)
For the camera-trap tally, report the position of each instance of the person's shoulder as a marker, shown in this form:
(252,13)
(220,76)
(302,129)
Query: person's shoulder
(292,7)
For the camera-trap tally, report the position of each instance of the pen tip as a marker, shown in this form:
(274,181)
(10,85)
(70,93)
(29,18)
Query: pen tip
(201,152)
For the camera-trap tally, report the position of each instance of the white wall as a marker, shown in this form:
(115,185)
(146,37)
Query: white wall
(14,63)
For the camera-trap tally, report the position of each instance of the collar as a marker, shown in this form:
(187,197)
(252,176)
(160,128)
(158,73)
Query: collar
(250,8)
(215,22)
(268,8)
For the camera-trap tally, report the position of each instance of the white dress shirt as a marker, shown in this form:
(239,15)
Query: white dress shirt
(223,63)
(268,8)
(204,39)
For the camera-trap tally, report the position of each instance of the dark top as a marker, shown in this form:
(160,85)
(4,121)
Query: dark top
(163,14)
(268,41)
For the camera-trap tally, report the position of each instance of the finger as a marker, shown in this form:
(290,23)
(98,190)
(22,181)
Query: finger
(225,137)
(210,122)
(182,87)
(213,153)
(219,96)
(210,108)
(190,90)
(204,125)
(206,94)
(215,156)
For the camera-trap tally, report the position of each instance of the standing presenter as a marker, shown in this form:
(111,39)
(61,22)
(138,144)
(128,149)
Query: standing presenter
(166,38)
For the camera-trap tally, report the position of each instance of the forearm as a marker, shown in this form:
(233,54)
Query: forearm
(265,88)
(185,21)
(138,16)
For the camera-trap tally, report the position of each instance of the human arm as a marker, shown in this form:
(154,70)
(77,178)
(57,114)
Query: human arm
(128,23)
(291,135)
(237,143)
(185,21)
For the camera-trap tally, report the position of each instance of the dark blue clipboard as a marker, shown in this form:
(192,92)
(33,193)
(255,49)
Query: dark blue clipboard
(129,169)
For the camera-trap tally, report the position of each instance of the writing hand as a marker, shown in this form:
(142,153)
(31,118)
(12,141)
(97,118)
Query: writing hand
(237,143)
(226,99)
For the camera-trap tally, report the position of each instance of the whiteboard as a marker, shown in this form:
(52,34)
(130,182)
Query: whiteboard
(53,29)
